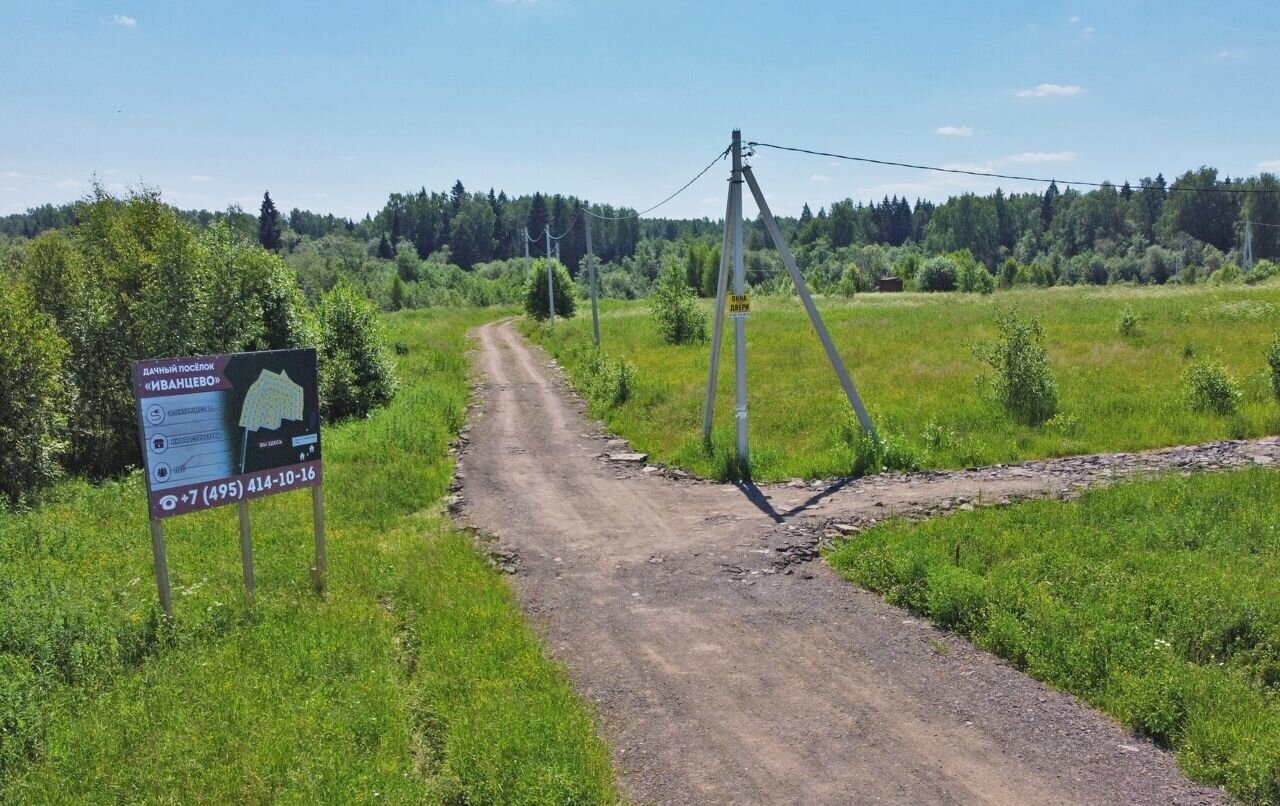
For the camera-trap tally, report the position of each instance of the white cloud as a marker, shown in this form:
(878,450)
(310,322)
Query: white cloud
(954,131)
(1271,166)
(1051,90)
(15,175)
(1042,156)
(70,184)
(201,178)
(980,167)
(124,20)
(1073,20)
(1228,55)
(819,178)
(8,189)
(1089,31)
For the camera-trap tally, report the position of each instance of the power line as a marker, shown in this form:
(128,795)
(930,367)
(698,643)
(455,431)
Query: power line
(682,189)
(1171,189)
(1260,224)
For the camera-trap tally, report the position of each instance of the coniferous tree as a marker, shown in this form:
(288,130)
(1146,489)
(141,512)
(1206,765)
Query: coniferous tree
(384,248)
(269,224)
(1047,205)
(457,195)
(537,220)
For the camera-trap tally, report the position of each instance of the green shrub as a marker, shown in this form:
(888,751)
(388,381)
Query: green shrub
(937,274)
(535,291)
(1263,270)
(674,307)
(1023,383)
(357,374)
(1210,388)
(1273,361)
(608,383)
(1009,272)
(971,276)
(1128,326)
(33,412)
(890,453)
(851,281)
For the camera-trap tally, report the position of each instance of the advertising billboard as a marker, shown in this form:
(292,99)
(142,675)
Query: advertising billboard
(221,429)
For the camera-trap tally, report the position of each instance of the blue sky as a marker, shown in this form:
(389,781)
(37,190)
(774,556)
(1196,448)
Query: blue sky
(331,106)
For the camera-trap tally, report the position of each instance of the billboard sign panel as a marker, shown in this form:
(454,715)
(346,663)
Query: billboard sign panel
(222,429)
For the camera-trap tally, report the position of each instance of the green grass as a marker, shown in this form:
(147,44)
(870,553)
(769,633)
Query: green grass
(414,680)
(1158,602)
(911,356)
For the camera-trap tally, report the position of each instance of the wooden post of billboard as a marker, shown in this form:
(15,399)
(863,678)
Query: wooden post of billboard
(162,566)
(317,512)
(246,552)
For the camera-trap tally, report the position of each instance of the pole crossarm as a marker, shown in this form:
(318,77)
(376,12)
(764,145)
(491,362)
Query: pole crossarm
(803,289)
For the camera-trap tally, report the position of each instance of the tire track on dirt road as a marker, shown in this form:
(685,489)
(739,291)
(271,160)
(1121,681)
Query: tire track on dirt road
(765,686)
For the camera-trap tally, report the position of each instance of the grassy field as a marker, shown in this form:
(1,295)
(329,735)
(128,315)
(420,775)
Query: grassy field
(912,357)
(414,680)
(1158,602)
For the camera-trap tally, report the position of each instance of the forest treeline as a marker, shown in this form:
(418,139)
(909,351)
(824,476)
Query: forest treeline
(456,247)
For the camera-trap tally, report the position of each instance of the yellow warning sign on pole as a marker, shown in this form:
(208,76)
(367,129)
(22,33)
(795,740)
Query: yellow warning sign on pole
(739,305)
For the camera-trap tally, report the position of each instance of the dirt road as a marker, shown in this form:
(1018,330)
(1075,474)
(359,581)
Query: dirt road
(725,672)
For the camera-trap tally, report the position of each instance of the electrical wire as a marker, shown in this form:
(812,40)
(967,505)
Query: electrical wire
(682,189)
(1261,224)
(891,163)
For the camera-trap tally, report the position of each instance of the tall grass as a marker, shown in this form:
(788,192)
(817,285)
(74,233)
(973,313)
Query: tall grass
(1158,602)
(414,679)
(912,358)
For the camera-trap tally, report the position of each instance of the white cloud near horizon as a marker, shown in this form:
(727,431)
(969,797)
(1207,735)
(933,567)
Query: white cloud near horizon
(819,178)
(124,20)
(1269,166)
(201,178)
(1042,156)
(1051,91)
(954,131)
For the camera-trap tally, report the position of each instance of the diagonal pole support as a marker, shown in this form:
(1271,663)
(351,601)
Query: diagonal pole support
(796,277)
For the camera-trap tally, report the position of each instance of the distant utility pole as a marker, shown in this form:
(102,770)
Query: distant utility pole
(526,251)
(591,278)
(1247,259)
(551,283)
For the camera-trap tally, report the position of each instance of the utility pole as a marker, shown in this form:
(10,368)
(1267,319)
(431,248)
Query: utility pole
(551,283)
(526,251)
(717,330)
(591,279)
(1247,259)
(739,323)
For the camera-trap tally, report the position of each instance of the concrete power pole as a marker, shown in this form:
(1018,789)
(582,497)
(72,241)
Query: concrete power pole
(739,323)
(591,278)
(551,283)
(1247,258)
